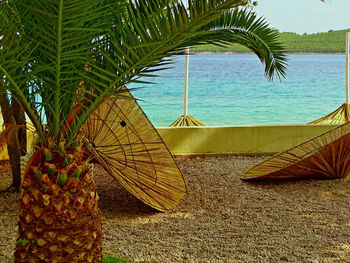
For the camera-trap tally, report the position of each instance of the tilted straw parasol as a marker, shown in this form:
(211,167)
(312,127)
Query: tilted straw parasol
(342,114)
(125,143)
(186,119)
(326,156)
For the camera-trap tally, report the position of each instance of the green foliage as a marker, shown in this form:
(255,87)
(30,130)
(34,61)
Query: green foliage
(61,58)
(76,173)
(62,179)
(251,3)
(332,41)
(22,241)
(253,33)
(47,155)
(112,259)
(37,175)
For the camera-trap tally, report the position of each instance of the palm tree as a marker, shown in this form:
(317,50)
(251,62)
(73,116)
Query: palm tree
(13,115)
(60,59)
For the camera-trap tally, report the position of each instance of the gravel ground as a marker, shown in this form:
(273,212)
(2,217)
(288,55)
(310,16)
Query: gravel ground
(223,219)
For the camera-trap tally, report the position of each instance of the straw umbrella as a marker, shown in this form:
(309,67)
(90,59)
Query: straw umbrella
(126,144)
(342,114)
(186,119)
(326,156)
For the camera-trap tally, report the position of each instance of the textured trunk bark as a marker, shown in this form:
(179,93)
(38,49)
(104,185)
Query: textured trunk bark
(13,150)
(58,206)
(14,146)
(20,119)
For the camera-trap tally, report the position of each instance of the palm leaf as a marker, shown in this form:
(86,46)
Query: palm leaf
(14,54)
(59,36)
(77,53)
(244,27)
(63,31)
(146,39)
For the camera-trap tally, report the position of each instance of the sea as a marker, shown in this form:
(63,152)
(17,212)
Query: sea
(231,90)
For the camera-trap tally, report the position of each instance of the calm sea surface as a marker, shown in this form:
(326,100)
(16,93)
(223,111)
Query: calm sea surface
(230,89)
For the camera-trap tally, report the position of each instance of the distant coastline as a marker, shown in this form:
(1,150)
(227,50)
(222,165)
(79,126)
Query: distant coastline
(331,42)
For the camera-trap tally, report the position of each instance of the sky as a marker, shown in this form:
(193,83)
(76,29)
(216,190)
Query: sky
(305,16)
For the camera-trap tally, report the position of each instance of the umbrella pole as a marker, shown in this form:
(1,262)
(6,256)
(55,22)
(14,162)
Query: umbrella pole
(186,82)
(347,68)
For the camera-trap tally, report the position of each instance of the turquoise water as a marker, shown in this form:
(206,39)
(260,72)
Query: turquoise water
(230,89)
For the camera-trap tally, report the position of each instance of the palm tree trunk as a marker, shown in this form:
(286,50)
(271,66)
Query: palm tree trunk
(59,216)
(20,147)
(13,150)
(20,119)
(17,142)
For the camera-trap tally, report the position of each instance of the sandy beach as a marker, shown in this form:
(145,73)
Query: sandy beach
(222,219)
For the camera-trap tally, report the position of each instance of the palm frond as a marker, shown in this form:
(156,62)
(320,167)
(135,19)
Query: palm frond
(243,27)
(53,42)
(64,32)
(14,54)
(72,55)
(146,39)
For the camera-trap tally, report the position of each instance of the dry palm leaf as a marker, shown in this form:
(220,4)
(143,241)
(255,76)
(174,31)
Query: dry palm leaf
(125,143)
(326,156)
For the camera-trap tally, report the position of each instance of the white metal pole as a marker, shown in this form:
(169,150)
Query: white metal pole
(347,67)
(186,81)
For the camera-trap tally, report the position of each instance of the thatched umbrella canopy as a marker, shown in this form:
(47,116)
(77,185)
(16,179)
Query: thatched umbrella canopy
(326,156)
(123,140)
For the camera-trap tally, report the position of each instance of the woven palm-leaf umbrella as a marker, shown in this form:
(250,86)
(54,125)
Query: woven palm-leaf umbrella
(342,114)
(326,156)
(125,143)
(186,119)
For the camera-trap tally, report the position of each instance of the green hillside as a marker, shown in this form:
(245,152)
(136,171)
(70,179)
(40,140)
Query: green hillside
(327,42)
